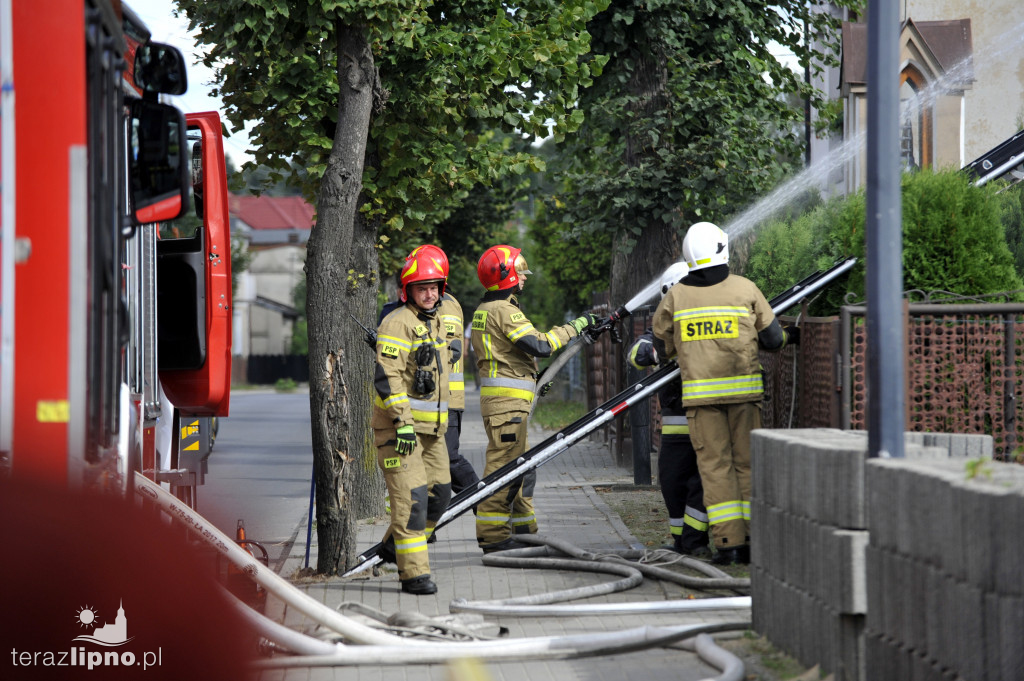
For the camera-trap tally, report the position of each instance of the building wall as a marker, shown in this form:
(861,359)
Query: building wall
(995,104)
(269,332)
(948,147)
(947,118)
(273,274)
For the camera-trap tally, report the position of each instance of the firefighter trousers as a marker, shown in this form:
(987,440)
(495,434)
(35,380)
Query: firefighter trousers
(683,493)
(721,437)
(419,488)
(462,471)
(509,510)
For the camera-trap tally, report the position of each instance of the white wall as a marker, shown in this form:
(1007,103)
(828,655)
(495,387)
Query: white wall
(996,101)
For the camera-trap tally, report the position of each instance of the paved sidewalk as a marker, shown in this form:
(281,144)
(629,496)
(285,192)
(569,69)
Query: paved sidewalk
(569,509)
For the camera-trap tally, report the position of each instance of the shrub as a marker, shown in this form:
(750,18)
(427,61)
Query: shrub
(953,240)
(285,385)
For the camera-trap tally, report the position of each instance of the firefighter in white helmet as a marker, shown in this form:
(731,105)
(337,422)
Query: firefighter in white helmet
(714,322)
(410,417)
(506,345)
(678,475)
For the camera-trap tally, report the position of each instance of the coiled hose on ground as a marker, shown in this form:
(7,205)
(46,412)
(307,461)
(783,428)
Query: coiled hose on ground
(374,646)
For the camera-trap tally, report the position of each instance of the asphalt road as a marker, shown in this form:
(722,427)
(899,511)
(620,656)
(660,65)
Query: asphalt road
(260,470)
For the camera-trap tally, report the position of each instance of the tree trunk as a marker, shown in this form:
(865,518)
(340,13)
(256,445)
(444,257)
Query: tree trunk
(658,245)
(341,276)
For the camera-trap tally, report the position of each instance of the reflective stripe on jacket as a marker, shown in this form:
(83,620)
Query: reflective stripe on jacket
(712,331)
(506,344)
(451,319)
(400,336)
(674,425)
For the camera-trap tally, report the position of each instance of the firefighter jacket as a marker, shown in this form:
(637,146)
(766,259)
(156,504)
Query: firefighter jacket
(673,415)
(411,383)
(713,332)
(451,319)
(506,345)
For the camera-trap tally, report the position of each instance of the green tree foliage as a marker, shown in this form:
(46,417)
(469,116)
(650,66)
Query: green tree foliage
(953,240)
(451,73)
(1011,209)
(578,263)
(390,107)
(691,119)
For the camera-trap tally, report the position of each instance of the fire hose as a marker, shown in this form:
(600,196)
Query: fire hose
(377,647)
(562,440)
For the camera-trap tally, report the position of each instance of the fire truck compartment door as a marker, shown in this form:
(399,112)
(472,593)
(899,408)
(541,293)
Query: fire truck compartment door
(194,284)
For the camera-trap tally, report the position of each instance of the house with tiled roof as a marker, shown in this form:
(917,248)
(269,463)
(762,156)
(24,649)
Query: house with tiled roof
(275,230)
(961,86)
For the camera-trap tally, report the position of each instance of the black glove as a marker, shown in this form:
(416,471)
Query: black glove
(792,335)
(643,354)
(405,443)
(544,389)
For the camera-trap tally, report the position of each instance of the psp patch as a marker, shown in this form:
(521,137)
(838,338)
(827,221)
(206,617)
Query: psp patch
(517,317)
(420,330)
(709,328)
(388,350)
(393,462)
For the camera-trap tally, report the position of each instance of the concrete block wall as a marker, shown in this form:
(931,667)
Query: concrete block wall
(945,570)
(812,545)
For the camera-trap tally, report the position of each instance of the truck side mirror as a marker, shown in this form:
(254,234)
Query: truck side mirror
(158,165)
(160,68)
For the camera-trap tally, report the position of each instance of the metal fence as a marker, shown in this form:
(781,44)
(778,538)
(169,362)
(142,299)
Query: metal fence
(268,369)
(964,374)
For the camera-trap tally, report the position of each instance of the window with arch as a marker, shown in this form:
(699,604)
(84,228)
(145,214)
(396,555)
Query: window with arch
(915,121)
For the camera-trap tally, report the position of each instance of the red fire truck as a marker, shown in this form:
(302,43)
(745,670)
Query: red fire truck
(115,316)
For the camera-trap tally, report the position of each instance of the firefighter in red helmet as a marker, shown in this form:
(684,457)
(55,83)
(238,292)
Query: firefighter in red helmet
(410,417)
(462,471)
(507,345)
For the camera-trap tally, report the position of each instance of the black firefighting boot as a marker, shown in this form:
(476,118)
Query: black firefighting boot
(419,586)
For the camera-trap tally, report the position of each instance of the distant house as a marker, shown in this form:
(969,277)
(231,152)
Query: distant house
(275,229)
(961,86)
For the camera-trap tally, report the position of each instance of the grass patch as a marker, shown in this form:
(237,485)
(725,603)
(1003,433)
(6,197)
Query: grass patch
(555,415)
(642,511)
(285,385)
(764,662)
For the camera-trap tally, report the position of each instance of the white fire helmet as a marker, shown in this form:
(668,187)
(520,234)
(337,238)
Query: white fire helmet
(705,245)
(673,275)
